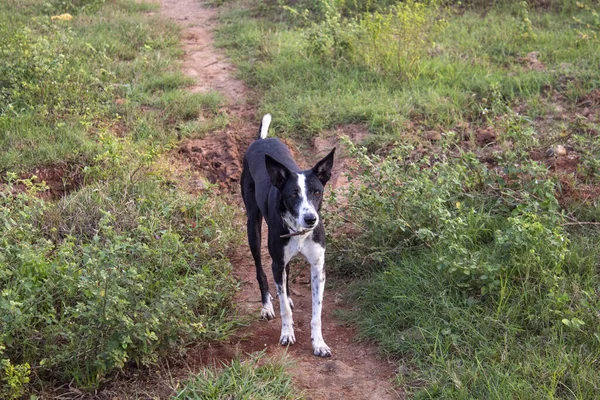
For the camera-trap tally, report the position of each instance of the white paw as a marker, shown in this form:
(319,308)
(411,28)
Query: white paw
(287,337)
(321,349)
(267,312)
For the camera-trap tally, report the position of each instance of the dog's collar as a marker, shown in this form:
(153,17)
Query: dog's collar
(297,233)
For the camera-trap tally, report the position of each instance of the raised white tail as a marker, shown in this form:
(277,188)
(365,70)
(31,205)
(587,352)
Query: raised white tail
(264,126)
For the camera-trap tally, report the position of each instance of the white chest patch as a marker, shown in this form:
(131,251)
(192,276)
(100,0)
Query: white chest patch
(303,244)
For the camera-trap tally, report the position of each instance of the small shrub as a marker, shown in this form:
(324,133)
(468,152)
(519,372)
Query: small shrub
(525,24)
(13,378)
(391,42)
(406,201)
(144,271)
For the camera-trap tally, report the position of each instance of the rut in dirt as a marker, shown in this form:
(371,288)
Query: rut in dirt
(354,371)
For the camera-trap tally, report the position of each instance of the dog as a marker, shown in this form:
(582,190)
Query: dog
(289,199)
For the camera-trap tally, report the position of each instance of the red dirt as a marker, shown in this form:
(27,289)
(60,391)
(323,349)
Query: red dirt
(354,371)
(61,180)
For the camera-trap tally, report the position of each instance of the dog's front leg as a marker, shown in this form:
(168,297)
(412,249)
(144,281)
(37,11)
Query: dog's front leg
(317,274)
(287,324)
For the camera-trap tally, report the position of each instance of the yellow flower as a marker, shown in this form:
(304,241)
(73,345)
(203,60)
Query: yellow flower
(62,17)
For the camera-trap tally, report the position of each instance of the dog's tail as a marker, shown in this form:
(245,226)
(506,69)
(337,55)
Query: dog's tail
(264,127)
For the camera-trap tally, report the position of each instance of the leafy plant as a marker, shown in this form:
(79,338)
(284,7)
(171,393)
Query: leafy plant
(138,264)
(588,25)
(404,200)
(13,378)
(405,28)
(525,24)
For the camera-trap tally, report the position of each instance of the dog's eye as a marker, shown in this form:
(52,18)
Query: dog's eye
(294,195)
(317,193)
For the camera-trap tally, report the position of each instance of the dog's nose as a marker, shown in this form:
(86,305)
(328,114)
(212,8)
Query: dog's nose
(310,219)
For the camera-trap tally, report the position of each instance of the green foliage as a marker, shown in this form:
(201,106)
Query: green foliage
(137,264)
(470,270)
(13,378)
(588,25)
(36,77)
(126,267)
(472,274)
(405,28)
(482,224)
(452,62)
(181,105)
(525,25)
(460,346)
(109,69)
(255,378)
(73,7)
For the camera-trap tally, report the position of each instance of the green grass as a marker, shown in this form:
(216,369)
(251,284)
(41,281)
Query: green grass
(476,282)
(465,61)
(458,346)
(254,378)
(472,271)
(111,68)
(126,254)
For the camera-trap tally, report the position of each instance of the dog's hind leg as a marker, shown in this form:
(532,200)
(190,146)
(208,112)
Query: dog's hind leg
(287,285)
(254,228)
(254,240)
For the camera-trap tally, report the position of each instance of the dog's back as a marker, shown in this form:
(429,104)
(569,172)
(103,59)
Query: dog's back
(255,181)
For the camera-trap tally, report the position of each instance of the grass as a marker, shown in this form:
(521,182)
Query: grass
(112,68)
(472,268)
(125,253)
(470,57)
(254,378)
(458,346)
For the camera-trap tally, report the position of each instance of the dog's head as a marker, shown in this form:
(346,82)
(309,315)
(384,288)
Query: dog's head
(302,192)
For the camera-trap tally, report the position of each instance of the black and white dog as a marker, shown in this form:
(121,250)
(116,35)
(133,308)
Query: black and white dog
(289,199)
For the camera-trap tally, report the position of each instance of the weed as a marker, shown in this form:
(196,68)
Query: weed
(250,379)
(589,24)
(525,25)
(404,27)
(471,271)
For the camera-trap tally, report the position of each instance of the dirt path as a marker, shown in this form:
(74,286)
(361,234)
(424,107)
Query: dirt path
(354,371)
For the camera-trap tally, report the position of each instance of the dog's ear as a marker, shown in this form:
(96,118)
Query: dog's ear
(278,172)
(323,168)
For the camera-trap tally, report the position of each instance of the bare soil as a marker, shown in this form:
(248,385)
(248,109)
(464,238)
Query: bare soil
(355,371)
(60,179)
